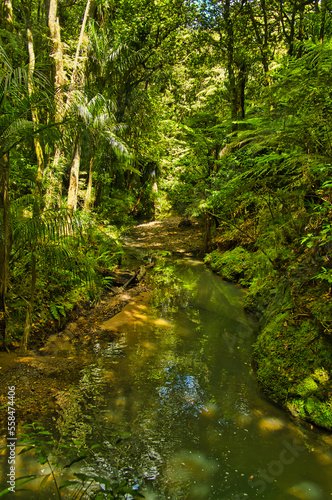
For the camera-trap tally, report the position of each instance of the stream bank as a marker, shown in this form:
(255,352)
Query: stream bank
(49,367)
(292,354)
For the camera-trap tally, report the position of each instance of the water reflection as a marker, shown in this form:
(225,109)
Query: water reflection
(184,388)
(169,393)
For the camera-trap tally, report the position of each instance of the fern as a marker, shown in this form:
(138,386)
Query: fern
(54,310)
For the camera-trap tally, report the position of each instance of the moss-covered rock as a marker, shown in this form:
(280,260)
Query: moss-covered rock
(293,366)
(239,265)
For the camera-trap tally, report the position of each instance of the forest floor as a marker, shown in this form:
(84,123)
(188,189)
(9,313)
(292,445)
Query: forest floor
(42,375)
(168,235)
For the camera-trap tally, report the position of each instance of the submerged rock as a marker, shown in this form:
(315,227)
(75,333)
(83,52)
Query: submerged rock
(269,424)
(306,491)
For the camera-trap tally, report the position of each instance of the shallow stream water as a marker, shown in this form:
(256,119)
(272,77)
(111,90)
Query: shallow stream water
(173,401)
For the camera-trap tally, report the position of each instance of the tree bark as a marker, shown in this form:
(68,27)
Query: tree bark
(74,176)
(88,193)
(60,80)
(35,119)
(5,244)
(78,49)
(207,238)
(7,11)
(323,20)
(230,63)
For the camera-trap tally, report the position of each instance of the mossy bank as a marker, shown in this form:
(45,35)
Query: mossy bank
(292,354)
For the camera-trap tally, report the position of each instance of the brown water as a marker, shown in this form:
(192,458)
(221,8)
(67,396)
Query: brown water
(174,405)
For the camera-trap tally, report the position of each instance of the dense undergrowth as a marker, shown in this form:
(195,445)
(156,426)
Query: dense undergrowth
(66,251)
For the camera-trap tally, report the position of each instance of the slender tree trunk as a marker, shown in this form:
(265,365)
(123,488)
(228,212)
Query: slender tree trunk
(241,87)
(57,54)
(262,40)
(5,244)
(27,326)
(60,80)
(230,63)
(35,119)
(78,50)
(74,176)
(8,14)
(88,193)
(323,21)
(207,237)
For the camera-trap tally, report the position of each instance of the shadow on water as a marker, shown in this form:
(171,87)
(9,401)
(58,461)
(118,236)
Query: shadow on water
(170,394)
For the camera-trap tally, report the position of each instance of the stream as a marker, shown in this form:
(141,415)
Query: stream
(169,393)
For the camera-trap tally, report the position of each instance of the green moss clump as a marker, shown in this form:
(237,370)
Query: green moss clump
(237,265)
(289,358)
(307,387)
(319,412)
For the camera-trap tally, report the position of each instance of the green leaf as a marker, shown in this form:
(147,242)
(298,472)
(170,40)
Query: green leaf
(69,482)
(54,310)
(76,460)
(27,448)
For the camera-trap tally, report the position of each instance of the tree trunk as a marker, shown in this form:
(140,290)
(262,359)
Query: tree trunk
(323,21)
(35,119)
(88,194)
(207,238)
(78,50)
(62,108)
(8,14)
(241,87)
(57,54)
(27,326)
(262,39)
(230,63)
(5,244)
(73,181)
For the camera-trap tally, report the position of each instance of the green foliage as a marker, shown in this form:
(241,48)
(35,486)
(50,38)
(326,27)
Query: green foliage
(239,265)
(116,210)
(67,249)
(61,460)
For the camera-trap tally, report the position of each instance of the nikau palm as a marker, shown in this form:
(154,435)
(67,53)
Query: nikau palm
(97,124)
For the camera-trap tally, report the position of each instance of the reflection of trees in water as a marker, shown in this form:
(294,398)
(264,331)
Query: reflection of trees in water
(165,385)
(77,405)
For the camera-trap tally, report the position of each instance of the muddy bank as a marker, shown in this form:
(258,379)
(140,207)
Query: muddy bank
(41,374)
(55,362)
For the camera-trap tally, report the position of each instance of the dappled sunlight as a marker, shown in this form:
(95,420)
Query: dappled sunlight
(188,467)
(271,424)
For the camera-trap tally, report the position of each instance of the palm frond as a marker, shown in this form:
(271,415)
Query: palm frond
(49,226)
(63,256)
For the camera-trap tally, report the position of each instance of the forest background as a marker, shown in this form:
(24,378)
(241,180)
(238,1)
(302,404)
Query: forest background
(113,112)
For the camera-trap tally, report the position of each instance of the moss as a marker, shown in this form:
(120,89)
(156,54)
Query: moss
(319,412)
(306,387)
(290,360)
(239,265)
(297,408)
(292,355)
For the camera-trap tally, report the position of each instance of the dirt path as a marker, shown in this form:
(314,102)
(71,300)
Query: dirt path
(42,375)
(168,234)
